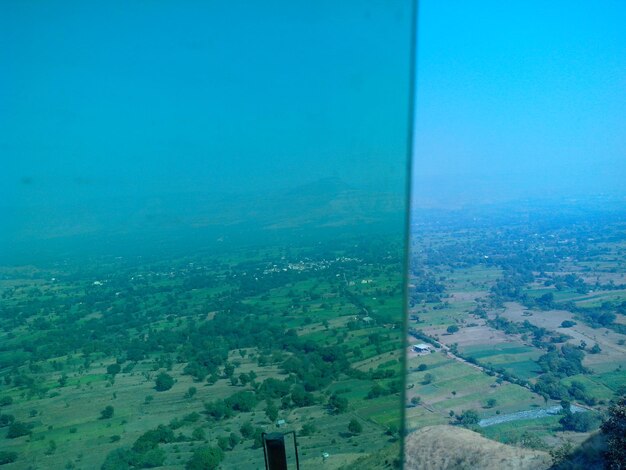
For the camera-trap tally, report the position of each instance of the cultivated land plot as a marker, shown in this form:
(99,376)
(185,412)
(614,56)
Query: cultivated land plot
(493,288)
(125,305)
(612,352)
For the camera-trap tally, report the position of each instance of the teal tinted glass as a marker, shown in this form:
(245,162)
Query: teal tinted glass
(203,209)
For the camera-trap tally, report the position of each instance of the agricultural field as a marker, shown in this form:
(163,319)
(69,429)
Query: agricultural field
(517,322)
(138,362)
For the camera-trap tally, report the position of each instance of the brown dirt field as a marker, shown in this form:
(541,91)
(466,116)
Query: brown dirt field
(448,447)
(551,319)
(467,296)
(470,336)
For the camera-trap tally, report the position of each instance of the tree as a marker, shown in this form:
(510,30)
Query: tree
(338,404)
(7,457)
(107,413)
(579,422)
(114,369)
(307,429)
(428,378)
(271,411)
(546,301)
(491,402)
(222,443)
(6,401)
(164,382)
(301,397)
(52,447)
(355,427)
(468,418)
(233,440)
(257,437)
(205,458)
(422,367)
(6,420)
(614,428)
(218,410)
(191,391)
(242,401)
(198,434)
(416,400)
(246,430)
(392,430)
(119,459)
(18,429)
(452,329)
(229,370)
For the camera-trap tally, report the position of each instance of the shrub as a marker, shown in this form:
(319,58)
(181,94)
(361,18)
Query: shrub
(18,429)
(580,422)
(205,458)
(107,413)
(198,434)
(164,382)
(468,418)
(6,401)
(7,457)
(355,427)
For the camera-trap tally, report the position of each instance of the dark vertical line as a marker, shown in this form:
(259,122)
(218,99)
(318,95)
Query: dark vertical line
(414,10)
(295,446)
(264,450)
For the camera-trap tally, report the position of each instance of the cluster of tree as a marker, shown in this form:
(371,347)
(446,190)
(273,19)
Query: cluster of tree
(426,288)
(541,337)
(580,422)
(18,429)
(563,362)
(603,316)
(419,334)
(378,390)
(164,382)
(205,458)
(144,453)
(468,418)
(7,457)
(614,429)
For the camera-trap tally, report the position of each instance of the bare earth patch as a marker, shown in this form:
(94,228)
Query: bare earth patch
(470,336)
(448,447)
(552,319)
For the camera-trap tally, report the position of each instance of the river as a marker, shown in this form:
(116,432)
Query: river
(528,414)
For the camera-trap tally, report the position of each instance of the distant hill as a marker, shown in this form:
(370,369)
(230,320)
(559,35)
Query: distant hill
(448,448)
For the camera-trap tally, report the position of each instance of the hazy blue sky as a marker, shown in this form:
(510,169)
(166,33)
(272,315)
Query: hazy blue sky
(520,97)
(115,102)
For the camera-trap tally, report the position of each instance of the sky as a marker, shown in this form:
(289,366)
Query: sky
(519,99)
(110,107)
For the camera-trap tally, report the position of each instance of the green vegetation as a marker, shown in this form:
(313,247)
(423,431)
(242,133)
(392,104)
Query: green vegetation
(521,315)
(205,458)
(129,362)
(614,428)
(7,457)
(355,427)
(164,382)
(107,413)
